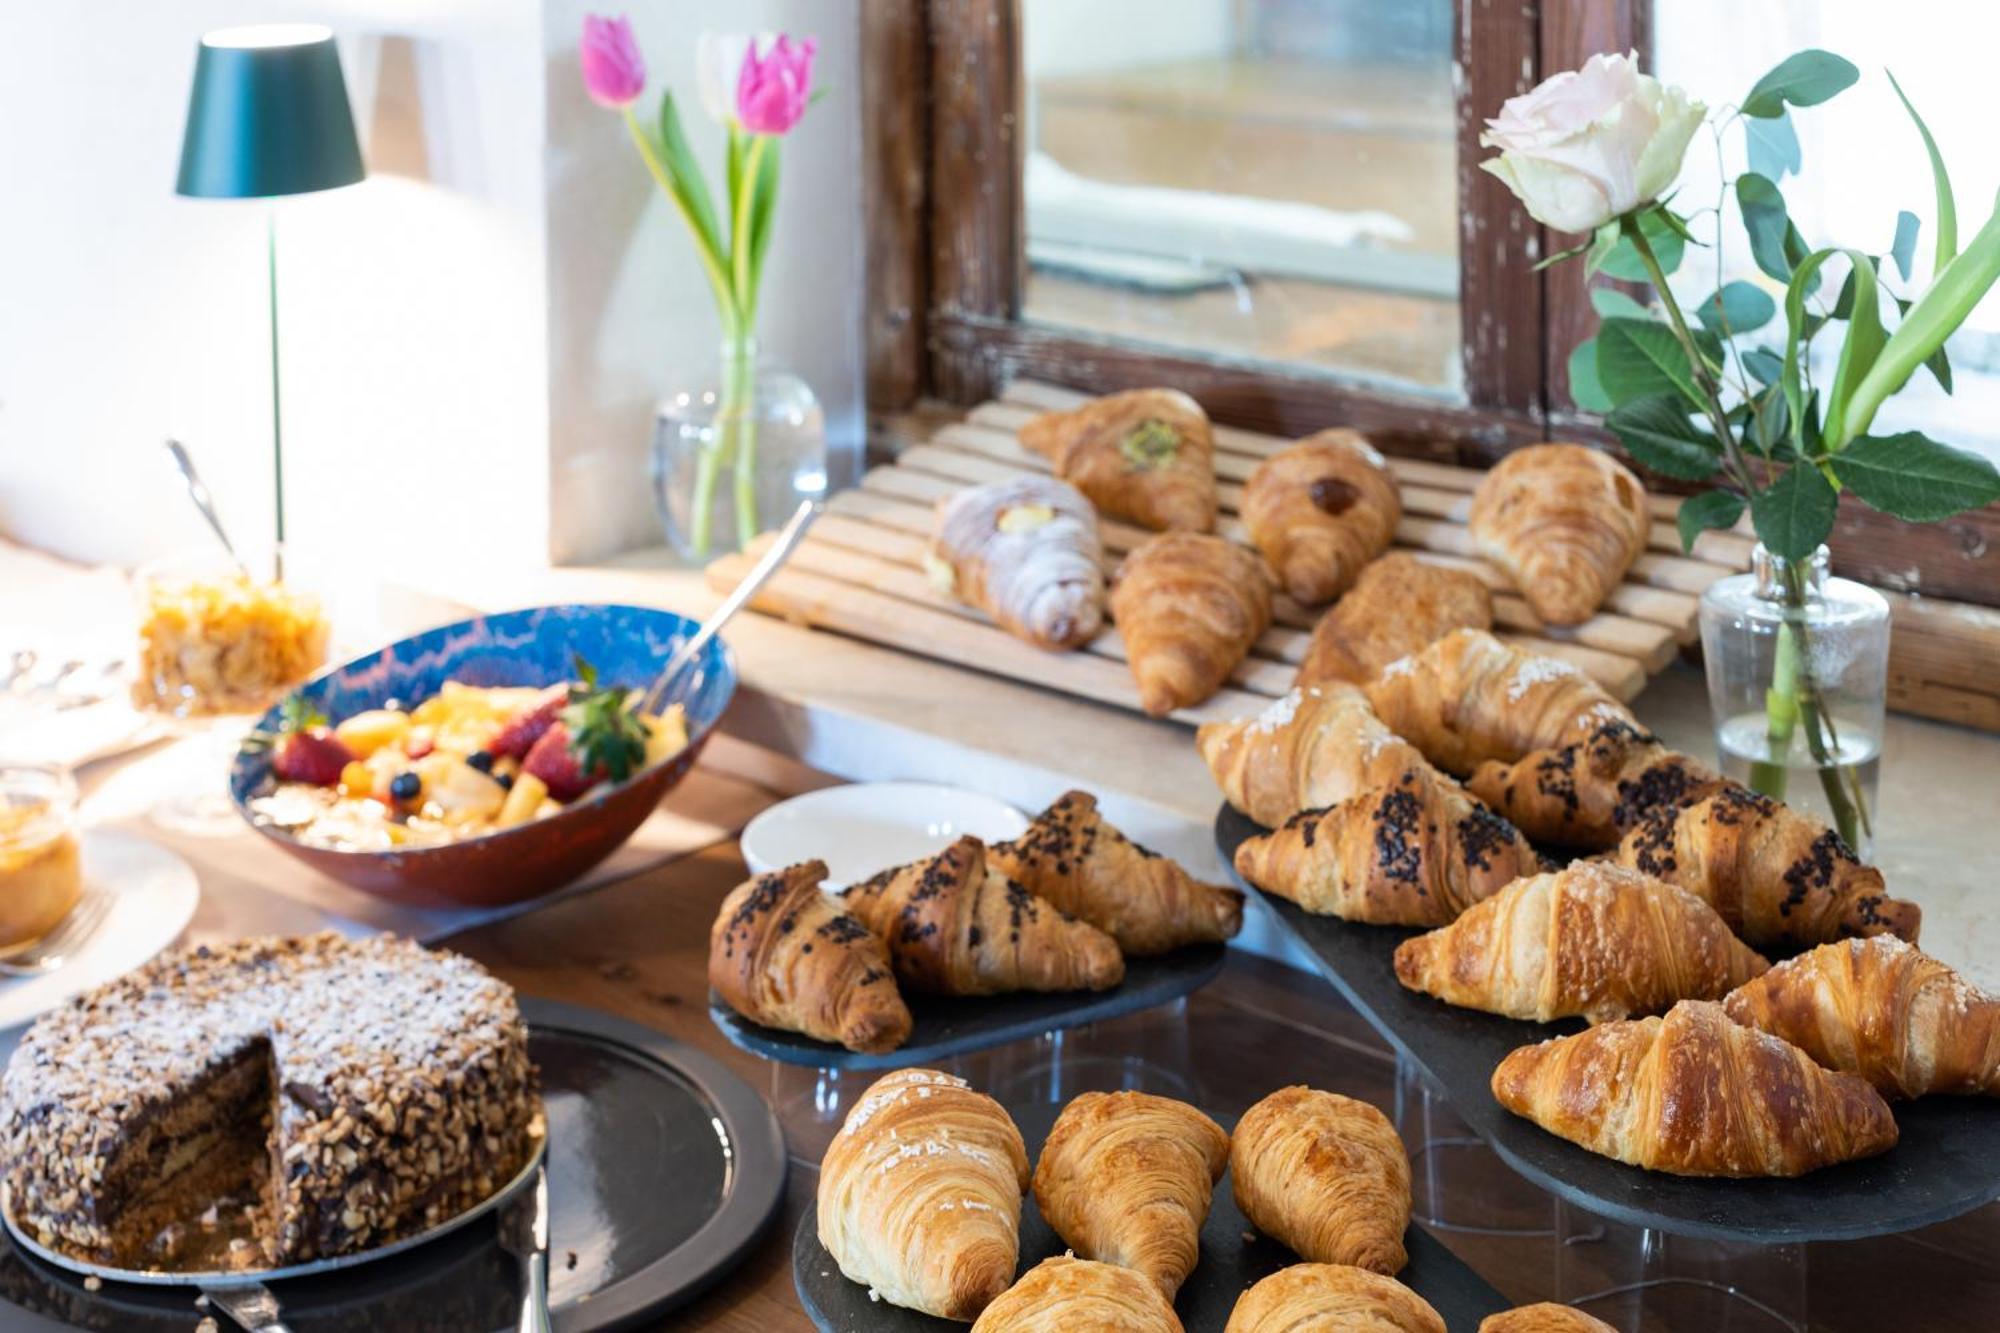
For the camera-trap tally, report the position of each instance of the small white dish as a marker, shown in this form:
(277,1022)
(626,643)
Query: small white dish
(864,827)
(154,893)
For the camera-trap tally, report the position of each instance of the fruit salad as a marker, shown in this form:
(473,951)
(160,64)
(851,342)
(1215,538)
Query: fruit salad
(468,761)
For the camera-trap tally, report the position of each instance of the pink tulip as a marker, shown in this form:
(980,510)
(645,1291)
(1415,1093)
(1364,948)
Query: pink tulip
(614,73)
(772,91)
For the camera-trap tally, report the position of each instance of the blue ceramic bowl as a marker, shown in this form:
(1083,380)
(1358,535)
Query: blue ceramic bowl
(627,644)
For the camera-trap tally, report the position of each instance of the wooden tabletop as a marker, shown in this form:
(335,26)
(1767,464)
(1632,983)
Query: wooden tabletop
(638,948)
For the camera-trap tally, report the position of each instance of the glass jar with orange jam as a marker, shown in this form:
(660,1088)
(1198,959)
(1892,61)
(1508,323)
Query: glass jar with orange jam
(41,875)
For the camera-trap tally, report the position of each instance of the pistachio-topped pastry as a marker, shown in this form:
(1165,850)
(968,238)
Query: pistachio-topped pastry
(1147,455)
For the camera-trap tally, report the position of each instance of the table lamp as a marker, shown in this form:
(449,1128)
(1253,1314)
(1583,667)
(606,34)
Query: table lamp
(268,116)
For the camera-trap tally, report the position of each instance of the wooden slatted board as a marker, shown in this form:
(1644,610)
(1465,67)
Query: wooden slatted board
(859,571)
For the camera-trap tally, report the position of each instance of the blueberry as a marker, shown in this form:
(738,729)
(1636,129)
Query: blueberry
(506,781)
(406,786)
(480,760)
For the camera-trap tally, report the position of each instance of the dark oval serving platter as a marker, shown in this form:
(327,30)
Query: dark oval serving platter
(956,1026)
(1233,1257)
(1947,1162)
(664,1168)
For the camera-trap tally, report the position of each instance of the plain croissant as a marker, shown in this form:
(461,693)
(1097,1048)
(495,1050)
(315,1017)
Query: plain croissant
(1326,1175)
(1065,1295)
(920,1194)
(1593,940)
(1695,1094)
(1189,607)
(1321,509)
(1884,1010)
(1332,1298)
(1318,745)
(782,954)
(1075,859)
(1469,697)
(956,926)
(1026,552)
(1416,852)
(1778,876)
(1544,1317)
(1565,522)
(1400,605)
(1147,455)
(1590,793)
(1127,1177)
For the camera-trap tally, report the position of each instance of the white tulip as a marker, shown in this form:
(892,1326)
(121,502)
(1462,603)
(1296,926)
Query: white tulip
(1593,144)
(718,66)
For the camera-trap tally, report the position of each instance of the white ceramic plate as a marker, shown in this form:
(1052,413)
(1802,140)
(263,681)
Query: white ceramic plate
(154,896)
(869,826)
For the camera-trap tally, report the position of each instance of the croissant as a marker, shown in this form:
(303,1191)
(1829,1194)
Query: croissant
(1594,940)
(1126,1177)
(1146,455)
(957,926)
(920,1194)
(1189,606)
(1025,552)
(1065,1295)
(1414,853)
(1331,1298)
(763,962)
(1469,697)
(1778,876)
(1400,605)
(1320,510)
(1326,1175)
(1565,522)
(1884,1010)
(1590,793)
(1544,1317)
(1318,745)
(1695,1095)
(1074,858)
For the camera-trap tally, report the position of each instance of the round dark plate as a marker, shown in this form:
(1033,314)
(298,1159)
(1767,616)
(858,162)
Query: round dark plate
(1233,1258)
(664,1168)
(1947,1162)
(947,1026)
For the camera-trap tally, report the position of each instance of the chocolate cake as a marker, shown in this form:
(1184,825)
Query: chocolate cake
(267,1102)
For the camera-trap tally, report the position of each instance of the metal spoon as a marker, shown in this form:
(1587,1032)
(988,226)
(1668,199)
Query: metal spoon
(767,565)
(198,492)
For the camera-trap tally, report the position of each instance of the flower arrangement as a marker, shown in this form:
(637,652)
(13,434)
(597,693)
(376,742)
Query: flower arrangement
(758,89)
(1597,151)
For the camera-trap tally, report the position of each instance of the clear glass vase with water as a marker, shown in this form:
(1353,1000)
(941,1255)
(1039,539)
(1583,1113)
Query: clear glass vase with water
(1798,669)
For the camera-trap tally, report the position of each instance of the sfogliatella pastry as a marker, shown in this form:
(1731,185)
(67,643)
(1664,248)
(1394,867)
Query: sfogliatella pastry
(1067,1295)
(1189,607)
(1025,551)
(1326,1175)
(1694,1094)
(1315,747)
(1332,1298)
(1400,605)
(1147,455)
(1320,510)
(1565,522)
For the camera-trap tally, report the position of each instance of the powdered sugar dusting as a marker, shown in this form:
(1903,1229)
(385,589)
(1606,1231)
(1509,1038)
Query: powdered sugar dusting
(1280,713)
(1534,671)
(1402,666)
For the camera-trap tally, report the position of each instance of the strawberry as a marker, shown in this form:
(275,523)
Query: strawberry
(594,738)
(303,749)
(552,762)
(519,733)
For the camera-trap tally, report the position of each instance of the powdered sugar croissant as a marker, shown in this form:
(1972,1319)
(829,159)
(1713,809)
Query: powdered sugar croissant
(1026,552)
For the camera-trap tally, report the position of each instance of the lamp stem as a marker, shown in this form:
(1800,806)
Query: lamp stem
(277,416)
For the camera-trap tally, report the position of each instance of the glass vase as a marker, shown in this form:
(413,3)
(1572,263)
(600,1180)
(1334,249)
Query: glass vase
(734,451)
(1798,669)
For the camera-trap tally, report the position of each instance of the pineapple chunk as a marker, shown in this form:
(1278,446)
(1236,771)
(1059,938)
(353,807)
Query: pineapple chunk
(459,793)
(666,735)
(365,733)
(357,779)
(522,802)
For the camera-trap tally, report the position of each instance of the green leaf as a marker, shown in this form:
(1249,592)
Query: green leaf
(1904,248)
(1947,209)
(1622,261)
(1773,145)
(1655,429)
(690,187)
(1806,78)
(1916,478)
(1764,365)
(763,208)
(1610,303)
(1774,242)
(1939,366)
(1560,255)
(1736,307)
(1770,431)
(1794,514)
(1793,379)
(1584,390)
(1710,509)
(1636,357)
(1863,343)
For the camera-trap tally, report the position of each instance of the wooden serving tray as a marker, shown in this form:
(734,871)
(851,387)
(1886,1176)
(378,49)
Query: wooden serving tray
(859,571)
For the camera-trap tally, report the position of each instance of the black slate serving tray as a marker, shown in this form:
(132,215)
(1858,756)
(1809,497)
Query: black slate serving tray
(1947,1162)
(1229,1265)
(664,1168)
(948,1026)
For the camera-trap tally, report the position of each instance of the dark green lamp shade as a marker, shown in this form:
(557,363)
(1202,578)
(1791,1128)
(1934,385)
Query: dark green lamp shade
(268,115)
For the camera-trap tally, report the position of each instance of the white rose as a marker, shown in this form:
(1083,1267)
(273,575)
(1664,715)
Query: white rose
(1591,144)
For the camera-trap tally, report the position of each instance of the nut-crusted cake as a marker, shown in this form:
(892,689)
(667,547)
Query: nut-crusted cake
(267,1102)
